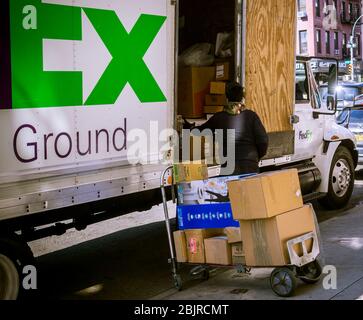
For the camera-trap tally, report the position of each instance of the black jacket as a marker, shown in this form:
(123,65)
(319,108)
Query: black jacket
(251,137)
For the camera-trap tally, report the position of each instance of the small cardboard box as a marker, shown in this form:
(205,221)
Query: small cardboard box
(238,256)
(190,172)
(222,71)
(180,246)
(217,87)
(215,100)
(218,251)
(213,109)
(233,234)
(266,195)
(193,85)
(195,243)
(265,240)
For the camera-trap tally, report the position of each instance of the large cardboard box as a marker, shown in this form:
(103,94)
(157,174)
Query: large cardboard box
(238,256)
(215,100)
(192,88)
(233,234)
(218,251)
(266,195)
(180,246)
(189,172)
(264,240)
(195,243)
(217,87)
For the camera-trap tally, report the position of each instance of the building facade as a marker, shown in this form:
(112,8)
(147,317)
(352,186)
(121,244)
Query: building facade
(325,27)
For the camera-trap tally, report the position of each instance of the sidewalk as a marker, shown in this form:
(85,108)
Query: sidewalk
(342,247)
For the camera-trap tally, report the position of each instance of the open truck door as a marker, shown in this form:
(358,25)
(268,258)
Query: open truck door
(269,54)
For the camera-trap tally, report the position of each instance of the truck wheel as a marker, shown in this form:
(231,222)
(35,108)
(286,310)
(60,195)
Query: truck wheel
(9,279)
(14,256)
(341,180)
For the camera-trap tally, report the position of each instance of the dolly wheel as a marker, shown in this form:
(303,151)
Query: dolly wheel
(283,282)
(311,273)
(178,283)
(205,275)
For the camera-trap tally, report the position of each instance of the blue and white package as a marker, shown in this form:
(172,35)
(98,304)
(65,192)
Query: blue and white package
(206,216)
(209,191)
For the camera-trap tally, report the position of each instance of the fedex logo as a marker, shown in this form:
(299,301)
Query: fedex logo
(67,55)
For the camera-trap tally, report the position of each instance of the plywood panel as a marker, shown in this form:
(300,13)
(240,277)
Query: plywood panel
(270,61)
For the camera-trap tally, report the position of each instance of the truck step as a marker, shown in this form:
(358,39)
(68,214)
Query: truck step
(313,196)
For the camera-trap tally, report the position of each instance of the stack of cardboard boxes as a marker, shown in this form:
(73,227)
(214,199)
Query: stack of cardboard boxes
(202,90)
(208,233)
(217,99)
(270,211)
(209,246)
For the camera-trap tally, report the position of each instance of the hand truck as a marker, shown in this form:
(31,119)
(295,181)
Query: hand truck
(283,280)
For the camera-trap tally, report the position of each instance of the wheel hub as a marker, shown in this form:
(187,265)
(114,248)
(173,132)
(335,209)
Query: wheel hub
(341,178)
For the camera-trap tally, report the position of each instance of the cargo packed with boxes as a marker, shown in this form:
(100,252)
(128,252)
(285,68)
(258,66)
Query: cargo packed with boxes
(207,57)
(256,220)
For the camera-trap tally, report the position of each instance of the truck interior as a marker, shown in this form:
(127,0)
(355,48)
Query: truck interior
(210,18)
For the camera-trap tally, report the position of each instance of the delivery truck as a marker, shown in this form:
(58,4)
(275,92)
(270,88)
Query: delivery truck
(89,92)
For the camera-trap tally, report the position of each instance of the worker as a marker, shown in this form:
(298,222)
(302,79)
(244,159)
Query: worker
(251,140)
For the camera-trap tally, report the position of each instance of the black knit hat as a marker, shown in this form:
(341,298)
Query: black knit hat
(234,92)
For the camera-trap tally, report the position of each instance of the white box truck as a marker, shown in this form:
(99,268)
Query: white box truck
(84,83)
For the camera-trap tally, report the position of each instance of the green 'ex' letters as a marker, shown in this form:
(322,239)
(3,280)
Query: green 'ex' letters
(34,88)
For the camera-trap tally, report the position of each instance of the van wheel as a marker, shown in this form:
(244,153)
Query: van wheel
(341,180)
(15,254)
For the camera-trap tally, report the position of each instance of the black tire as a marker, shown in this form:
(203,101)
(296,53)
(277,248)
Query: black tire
(311,273)
(205,275)
(338,199)
(19,253)
(283,282)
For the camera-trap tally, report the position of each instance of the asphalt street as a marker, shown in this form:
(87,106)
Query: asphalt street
(124,258)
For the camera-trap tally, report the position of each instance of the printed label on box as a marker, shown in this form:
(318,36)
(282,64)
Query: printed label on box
(207,216)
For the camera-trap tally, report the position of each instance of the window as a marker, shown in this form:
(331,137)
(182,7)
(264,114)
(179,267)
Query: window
(358,11)
(327,42)
(351,10)
(301,83)
(335,2)
(336,40)
(317,8)
(318,40)
(344,10)
(302,5)
(358,41)
(303,39)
